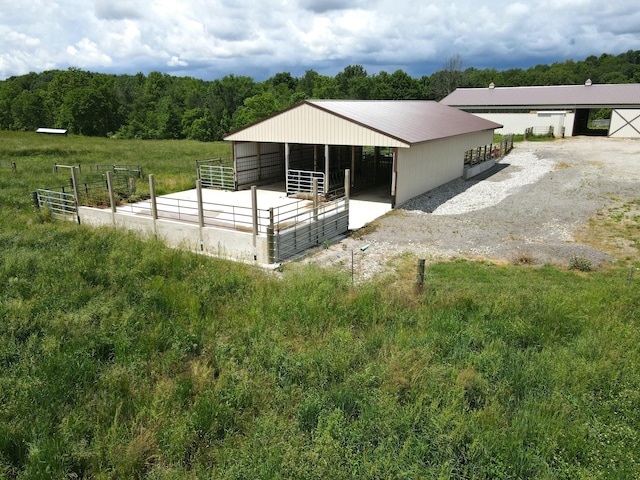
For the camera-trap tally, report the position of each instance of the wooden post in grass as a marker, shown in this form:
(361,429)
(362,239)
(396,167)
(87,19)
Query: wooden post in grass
(420,274)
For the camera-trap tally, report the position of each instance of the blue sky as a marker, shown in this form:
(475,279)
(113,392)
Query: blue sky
(209,39)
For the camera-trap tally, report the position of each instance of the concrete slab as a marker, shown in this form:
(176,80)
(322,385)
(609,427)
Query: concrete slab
(365,207)
(221,205)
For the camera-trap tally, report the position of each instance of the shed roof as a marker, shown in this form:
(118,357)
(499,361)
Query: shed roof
(586,96)
(401,122)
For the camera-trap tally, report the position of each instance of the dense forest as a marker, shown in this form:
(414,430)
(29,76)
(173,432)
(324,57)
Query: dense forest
(161,106)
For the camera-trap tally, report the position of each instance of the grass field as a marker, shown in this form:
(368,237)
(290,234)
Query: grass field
(121,358)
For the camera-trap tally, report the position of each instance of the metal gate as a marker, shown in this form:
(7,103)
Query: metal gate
(301,181)
(298,233)
(217,176)
(60,204)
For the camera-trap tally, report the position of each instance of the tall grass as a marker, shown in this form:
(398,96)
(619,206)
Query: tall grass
(121,358)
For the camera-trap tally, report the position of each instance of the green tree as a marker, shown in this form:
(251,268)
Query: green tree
(28,111)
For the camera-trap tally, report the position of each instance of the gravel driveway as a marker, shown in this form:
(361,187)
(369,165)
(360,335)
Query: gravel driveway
(529,209)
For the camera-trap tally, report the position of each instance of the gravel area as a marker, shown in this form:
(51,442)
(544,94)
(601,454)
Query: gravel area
(526,209)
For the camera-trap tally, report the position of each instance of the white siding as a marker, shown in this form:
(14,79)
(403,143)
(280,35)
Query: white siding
(310,125)
(428,165)
(625,123)
(517,123)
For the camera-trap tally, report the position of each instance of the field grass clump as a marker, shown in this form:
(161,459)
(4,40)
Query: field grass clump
(122,358)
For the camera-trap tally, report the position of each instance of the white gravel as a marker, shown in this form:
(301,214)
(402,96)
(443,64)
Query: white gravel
(457,197)
(530,206)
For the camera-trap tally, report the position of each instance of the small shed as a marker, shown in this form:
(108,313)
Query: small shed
(408,147)
(563,108)
(52,131)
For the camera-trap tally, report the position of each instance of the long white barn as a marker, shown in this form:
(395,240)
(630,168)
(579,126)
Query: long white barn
(565,108)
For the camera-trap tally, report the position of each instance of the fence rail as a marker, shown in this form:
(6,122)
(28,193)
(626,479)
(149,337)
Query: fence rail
(301,181)
(127,170)
(488,152)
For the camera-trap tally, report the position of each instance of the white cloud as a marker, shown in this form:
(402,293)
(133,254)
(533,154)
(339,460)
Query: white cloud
(243,36)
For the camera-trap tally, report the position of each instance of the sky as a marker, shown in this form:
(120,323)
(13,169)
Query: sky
(210,39)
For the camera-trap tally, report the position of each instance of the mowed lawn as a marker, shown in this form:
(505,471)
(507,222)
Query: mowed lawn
(122,358)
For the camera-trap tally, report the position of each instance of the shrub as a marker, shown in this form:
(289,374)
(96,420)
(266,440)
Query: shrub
(580,263)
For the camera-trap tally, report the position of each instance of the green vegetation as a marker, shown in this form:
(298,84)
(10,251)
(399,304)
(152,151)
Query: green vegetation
(121,358)
(160,106)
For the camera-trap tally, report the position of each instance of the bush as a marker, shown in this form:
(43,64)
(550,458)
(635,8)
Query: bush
(580,263)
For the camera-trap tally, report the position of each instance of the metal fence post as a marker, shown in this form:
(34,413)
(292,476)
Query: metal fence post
(270,239)
(200,211)
(154,206)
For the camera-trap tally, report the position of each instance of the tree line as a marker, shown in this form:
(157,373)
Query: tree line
(161,106)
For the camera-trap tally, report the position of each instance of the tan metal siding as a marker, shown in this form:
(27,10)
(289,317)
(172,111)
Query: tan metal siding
(428,165)
(306,124)
(517,123)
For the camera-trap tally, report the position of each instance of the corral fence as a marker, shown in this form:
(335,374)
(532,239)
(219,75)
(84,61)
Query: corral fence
(491,151)
(118,170)
(93,190)
(301,181)
(293,231)
(213,174)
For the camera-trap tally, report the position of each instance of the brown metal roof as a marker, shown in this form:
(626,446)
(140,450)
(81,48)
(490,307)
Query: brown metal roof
(411,121)
(575,96)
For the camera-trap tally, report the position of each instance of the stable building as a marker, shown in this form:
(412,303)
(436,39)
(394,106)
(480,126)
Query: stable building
(406,147)
(562,109)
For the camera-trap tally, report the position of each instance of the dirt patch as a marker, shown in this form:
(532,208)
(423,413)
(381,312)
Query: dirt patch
(544,203)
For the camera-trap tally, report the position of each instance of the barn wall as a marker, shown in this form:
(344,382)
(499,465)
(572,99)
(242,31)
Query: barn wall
(625,123)
(428,165)
(517,123)
(310,125)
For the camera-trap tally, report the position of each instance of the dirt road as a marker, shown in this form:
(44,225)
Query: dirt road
(533,208)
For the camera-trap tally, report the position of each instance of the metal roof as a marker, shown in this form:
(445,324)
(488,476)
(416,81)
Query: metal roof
(587,96)
(408,121)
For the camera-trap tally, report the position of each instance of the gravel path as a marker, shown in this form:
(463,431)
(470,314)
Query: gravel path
(528,208)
